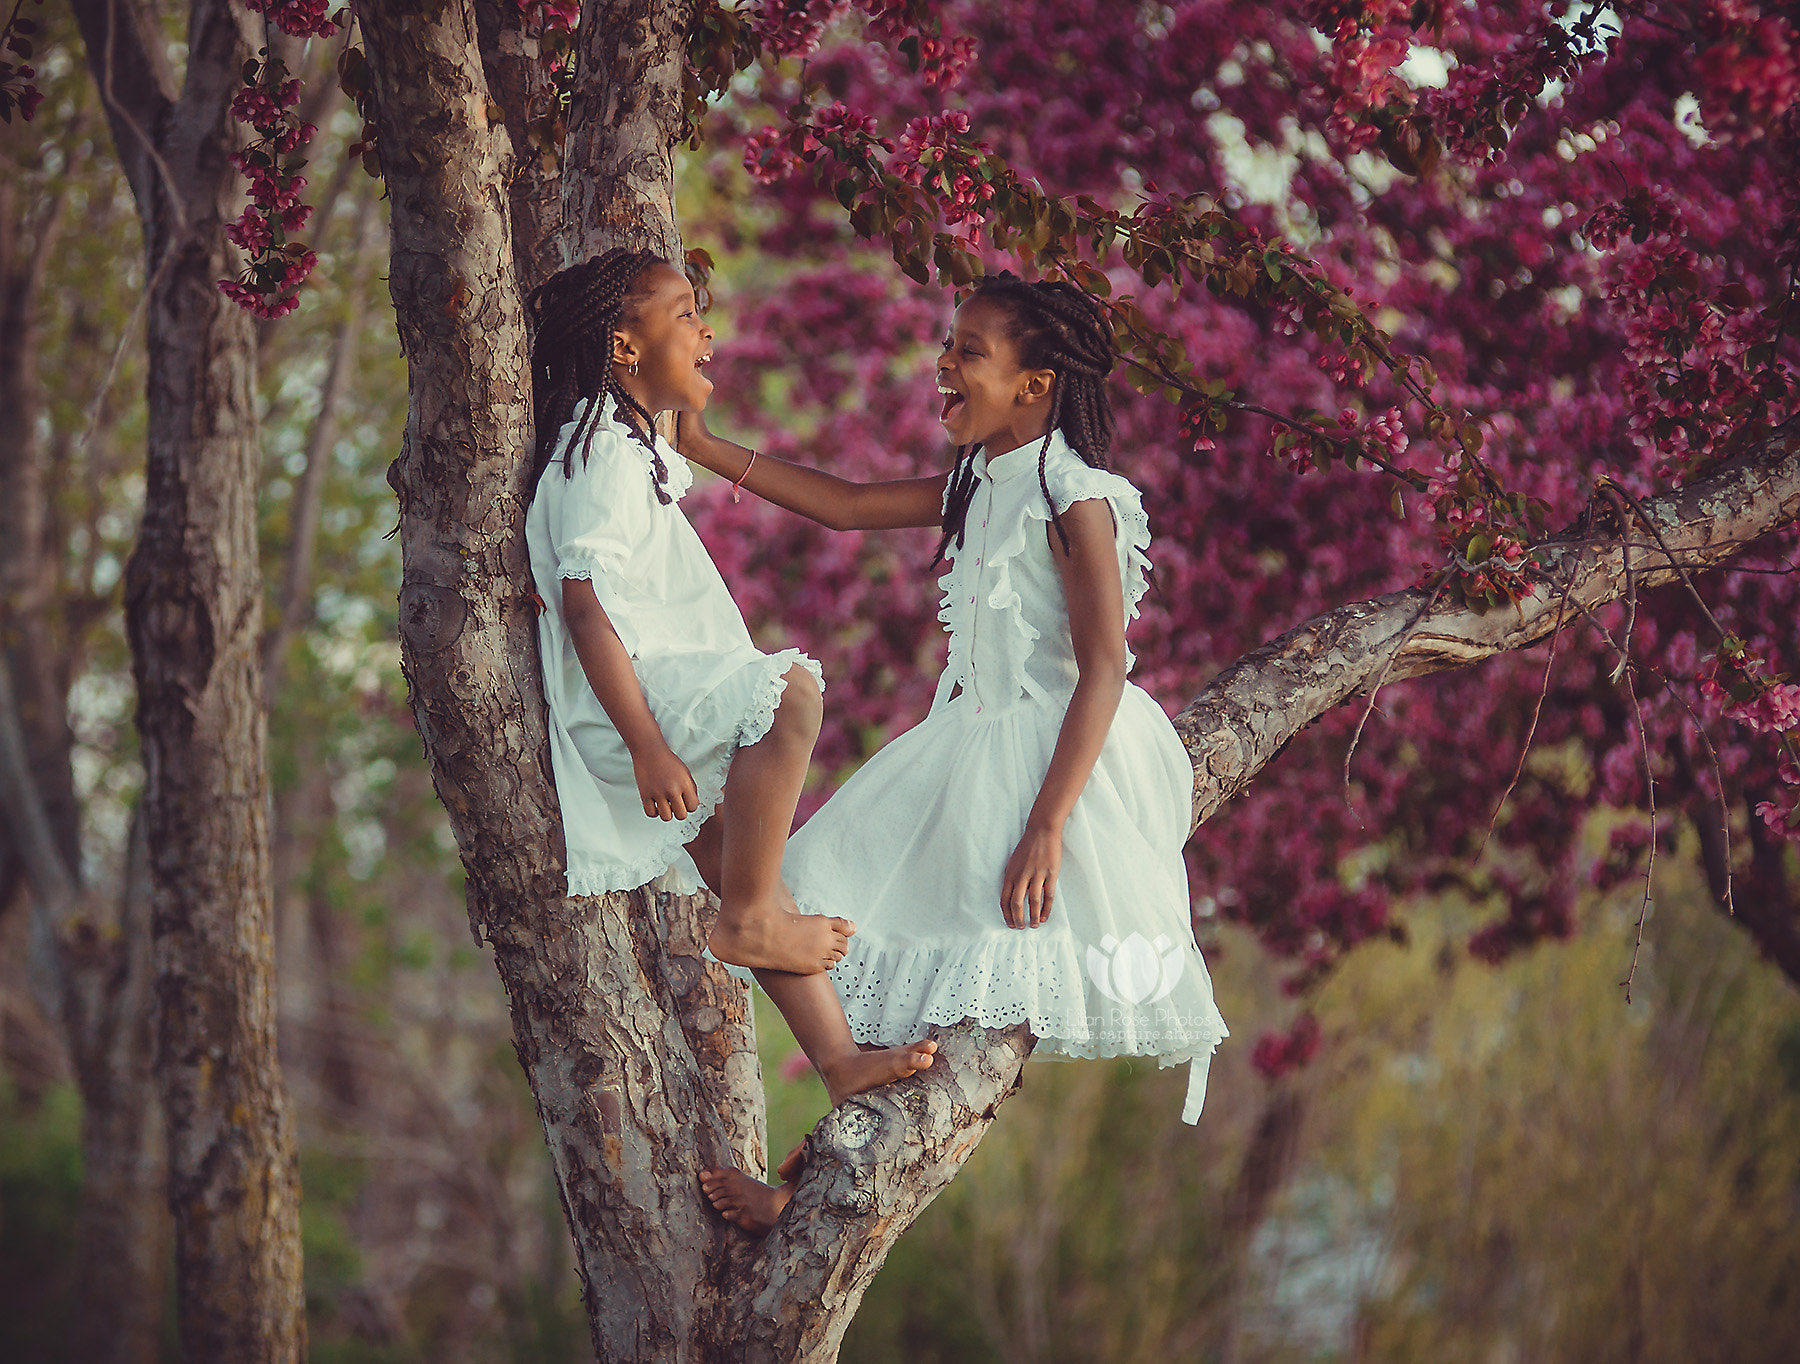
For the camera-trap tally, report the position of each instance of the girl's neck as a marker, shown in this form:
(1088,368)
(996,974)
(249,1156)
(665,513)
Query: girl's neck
(1005,442)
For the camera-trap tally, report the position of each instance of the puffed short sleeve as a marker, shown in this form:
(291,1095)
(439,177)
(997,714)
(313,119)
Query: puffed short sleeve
(601,515)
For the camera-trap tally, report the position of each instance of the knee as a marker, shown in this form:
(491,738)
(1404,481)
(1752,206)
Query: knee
(802,708)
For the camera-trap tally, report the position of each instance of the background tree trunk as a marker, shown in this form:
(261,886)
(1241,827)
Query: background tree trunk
(193,597)
(91,958)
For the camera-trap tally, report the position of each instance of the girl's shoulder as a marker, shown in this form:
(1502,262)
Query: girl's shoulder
(1071,479)
(612,451)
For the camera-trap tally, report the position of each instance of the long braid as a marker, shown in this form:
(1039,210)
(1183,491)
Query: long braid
(958,494)
(574,314)
(1056,327)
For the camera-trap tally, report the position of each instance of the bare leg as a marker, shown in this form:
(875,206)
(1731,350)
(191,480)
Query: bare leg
(812,1010)
(756,927)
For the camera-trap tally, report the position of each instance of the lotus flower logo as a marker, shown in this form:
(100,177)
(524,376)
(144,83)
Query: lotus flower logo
(1136,971)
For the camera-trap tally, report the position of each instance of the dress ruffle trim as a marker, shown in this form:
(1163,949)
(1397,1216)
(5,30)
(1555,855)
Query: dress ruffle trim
(597,876)
(680,472)
(1068,486)
(997,982)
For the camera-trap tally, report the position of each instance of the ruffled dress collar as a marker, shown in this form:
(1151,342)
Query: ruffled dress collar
(680,473)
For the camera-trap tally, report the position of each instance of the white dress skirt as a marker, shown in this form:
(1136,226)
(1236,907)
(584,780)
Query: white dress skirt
(595,516)
(914,846)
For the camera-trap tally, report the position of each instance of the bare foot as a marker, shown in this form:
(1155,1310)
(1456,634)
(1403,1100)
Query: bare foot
(857,1071)
(803,944)
(746,1202)
(793,1163)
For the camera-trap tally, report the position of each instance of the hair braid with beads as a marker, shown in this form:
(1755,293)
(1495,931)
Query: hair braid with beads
(574,314)
(1059,328)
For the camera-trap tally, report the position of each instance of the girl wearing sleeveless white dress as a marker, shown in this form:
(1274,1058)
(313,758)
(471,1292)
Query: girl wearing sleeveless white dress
(914,844)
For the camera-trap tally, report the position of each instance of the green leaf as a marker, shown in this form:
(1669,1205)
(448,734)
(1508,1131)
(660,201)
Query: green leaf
(846,192)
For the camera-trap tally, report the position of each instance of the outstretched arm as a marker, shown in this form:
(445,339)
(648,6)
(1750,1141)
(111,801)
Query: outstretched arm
(838,503)
(663,780)
(1096,599)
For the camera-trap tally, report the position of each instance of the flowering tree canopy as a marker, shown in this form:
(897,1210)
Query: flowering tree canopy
(1471,273)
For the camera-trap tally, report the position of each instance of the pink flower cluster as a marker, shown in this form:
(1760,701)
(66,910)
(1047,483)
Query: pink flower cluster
(16,80)
(792,28)
(1775,710)
(1784,821)
(298,18)
(1750,70)
(1277,1054)
(773,153)
(1385,431)
(277,266)
(1361,76)
(1476,111)
(942,61)
(936,154)
(552,16)
(1688,373)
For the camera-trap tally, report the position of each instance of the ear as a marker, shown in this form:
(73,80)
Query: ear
(624,350)
(1035,386)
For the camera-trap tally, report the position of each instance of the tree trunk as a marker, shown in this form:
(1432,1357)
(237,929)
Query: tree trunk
(637,1050)
(193,604)
(631,1100)
(121,1232)
(624,122)
(92,960)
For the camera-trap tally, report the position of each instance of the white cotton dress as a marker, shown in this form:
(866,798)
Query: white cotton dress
(710,689)
(915,845)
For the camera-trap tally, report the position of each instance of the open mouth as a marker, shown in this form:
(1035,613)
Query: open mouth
(952,400)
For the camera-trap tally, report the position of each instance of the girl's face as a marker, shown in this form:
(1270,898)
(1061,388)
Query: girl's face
(668,341)
(989,398)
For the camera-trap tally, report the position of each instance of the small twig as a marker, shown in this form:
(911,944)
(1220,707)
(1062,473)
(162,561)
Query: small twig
(1650,864)
(1649,525)
(1610,491)
(1536,710)
(1412,628)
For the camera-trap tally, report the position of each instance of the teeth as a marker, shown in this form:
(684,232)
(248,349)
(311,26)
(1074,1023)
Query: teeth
(946,389)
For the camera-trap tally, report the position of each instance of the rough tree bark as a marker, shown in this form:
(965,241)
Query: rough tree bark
(193,603)
(632,1101)
(626,1068)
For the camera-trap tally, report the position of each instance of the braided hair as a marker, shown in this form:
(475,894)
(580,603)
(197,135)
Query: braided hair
(573,315)
(1056,327)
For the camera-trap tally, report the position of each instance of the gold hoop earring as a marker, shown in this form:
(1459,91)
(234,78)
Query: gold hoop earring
(633,370)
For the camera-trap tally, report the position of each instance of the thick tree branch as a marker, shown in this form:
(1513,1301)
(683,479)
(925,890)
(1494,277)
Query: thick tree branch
(519,82)
(137,86)
(874,1163)
(1250,711)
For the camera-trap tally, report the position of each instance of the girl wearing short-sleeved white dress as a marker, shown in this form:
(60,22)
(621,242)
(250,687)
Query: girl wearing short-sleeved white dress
(678,747)
(1016,857)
